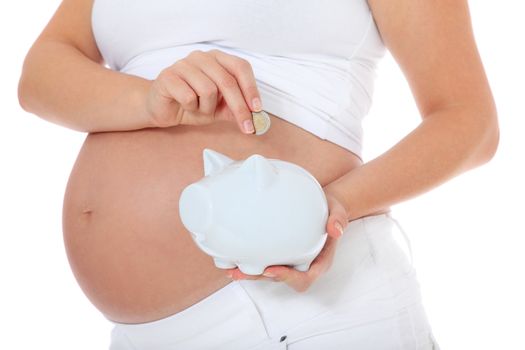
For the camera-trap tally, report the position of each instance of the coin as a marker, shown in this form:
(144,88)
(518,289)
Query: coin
(261,122)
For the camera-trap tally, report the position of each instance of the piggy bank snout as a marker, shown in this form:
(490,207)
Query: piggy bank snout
(195,208)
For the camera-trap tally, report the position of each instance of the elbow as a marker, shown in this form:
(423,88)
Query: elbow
(24,84)
(27,89)
(23,99)
(26,93)
(489,139)
(492,144)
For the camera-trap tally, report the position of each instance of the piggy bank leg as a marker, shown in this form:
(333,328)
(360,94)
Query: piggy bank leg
(303,267)
(223,264)
(249,269)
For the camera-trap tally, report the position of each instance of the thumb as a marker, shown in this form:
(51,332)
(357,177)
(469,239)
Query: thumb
(337,220)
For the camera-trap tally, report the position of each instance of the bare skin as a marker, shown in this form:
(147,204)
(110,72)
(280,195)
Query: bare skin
(124,238)
(125,243)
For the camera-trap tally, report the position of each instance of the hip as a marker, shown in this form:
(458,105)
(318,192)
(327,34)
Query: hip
(368,299)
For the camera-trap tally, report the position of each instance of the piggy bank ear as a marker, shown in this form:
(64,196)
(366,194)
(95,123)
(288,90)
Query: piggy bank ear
(214,161)
(259,170)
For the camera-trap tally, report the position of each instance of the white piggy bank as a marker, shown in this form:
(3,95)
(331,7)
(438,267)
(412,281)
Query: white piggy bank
(255,213)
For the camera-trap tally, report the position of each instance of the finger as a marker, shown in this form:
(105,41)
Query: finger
(231,92)
(323,260)
(298,280)
(173,86)
(239,275)
(222,111)
(337,221)
(334,228)
(207,97)
(229,272)
(201,84)
(243,72)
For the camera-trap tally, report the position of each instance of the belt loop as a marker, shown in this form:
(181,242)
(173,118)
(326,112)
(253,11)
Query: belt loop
(405,236)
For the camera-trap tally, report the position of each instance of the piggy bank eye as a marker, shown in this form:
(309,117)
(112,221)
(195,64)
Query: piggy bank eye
(195,208)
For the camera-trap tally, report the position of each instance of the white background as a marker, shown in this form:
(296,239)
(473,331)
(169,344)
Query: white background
(467,235)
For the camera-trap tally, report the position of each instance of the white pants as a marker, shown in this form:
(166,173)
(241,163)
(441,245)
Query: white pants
(369,299)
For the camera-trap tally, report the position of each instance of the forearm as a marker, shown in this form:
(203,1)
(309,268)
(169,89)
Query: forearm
(444,145)
(63,86)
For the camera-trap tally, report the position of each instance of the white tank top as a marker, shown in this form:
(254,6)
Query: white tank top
(314,61)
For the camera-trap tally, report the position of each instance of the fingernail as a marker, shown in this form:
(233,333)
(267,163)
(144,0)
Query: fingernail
(339,228)
(268,274)
(256,104)
(248,126)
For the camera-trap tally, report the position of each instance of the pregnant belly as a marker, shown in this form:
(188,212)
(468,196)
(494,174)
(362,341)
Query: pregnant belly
(125,242)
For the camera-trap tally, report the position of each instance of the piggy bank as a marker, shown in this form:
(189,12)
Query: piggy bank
(254,213)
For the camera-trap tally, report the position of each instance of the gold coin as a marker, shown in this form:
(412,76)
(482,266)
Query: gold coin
(261,122)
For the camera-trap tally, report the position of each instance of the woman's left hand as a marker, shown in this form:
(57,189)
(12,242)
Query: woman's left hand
(298,280)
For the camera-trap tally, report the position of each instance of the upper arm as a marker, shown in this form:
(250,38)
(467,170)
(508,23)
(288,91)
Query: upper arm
(433,43)
(71,24)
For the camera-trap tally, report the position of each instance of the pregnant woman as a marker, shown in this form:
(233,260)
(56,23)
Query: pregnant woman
(153,83)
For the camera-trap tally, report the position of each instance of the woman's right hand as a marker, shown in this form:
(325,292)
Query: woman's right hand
(203,87)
